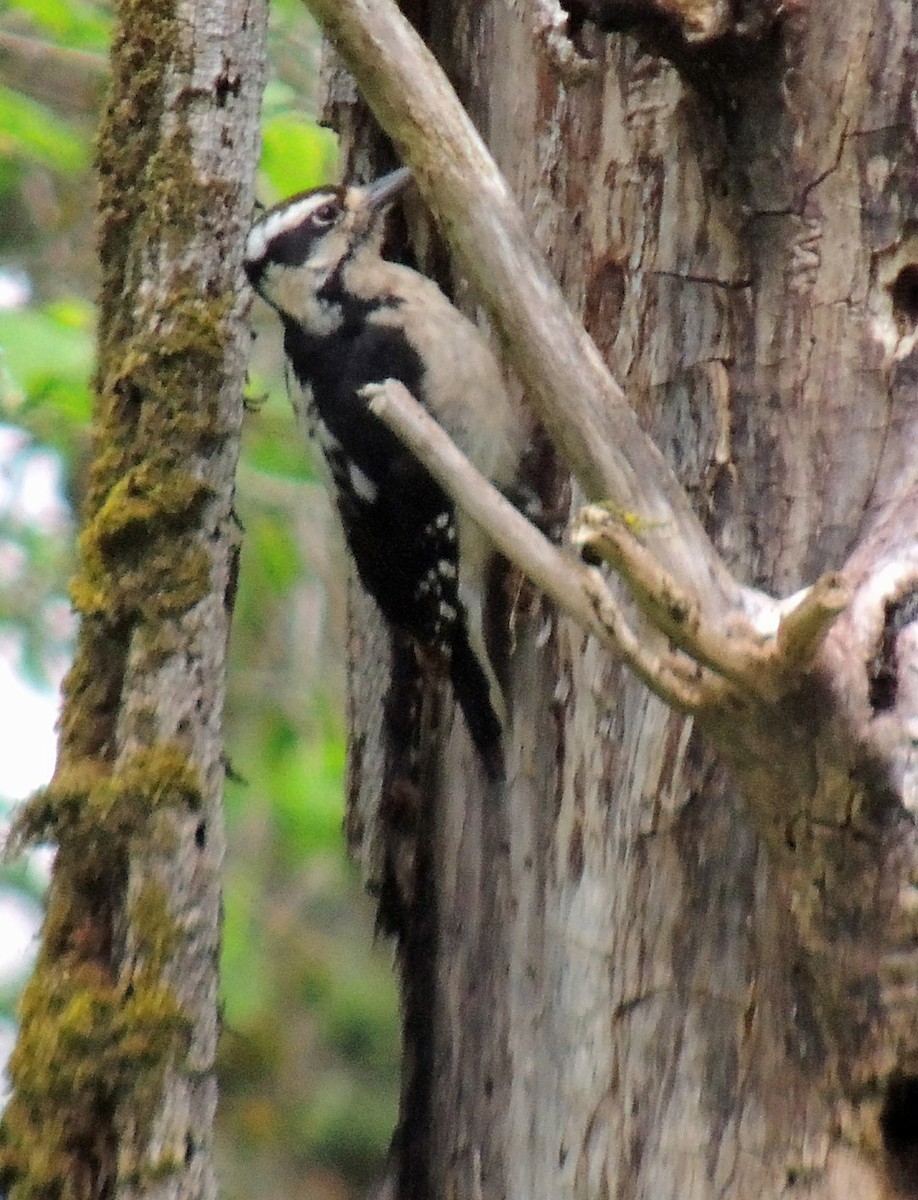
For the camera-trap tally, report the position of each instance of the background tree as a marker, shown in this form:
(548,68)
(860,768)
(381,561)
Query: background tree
(308,1055)
(673,956)
(114,1083)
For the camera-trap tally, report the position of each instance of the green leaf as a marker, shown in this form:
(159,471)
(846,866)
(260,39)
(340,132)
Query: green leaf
(246,982)
(46,360)
(77,24)
(308,793)
(277,556)
(360,1019)
(273,444)
(329,1127)
(296,154)
(30,131)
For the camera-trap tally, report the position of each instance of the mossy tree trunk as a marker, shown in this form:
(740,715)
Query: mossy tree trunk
(113,1083)
(644,967)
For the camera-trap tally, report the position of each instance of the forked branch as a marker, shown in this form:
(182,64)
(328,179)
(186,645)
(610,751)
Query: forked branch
(582,407)
(698,664)
(718,636)
(824,755)
(576,588)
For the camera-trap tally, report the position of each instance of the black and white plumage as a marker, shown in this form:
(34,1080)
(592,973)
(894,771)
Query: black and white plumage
(352,318)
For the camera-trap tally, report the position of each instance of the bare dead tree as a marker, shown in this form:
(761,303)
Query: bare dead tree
(658,963)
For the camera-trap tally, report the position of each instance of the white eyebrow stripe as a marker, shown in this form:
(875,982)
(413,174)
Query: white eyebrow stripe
(280,221)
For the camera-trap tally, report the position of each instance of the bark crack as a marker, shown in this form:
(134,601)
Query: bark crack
(883,668)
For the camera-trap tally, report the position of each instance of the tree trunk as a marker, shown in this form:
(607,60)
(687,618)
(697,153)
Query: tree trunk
(114,1090)
(634,970)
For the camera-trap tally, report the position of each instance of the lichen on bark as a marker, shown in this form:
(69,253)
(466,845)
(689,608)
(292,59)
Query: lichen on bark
(90,1039)
(113,1089)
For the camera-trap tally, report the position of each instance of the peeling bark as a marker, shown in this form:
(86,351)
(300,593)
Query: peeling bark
(675,956)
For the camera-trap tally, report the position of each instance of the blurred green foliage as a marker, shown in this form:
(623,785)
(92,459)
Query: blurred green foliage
(75,24)
(309,1057)
(47,363)
(28,132)
(295,153)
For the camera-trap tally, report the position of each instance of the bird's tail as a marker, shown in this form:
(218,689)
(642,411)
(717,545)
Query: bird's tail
(479,696)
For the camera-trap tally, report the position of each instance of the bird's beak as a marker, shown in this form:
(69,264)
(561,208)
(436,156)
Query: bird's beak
(379,195)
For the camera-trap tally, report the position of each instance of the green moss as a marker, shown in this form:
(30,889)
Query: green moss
(151,1030)
(89,1041)
(156,935)
(86,1046)
(94,1038)
(92,691)
(159,351)
(91,811)
(143,500)
(157,361)
(145,41)
(163,775)
(60,808)
(139,557)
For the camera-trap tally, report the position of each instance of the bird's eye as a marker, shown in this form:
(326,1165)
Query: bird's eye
(325,214)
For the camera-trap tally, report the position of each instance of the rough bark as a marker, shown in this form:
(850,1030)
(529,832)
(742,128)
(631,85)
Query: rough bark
(664,962)
(113,1076)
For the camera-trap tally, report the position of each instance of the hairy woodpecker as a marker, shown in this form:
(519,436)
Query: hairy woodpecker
(353,318)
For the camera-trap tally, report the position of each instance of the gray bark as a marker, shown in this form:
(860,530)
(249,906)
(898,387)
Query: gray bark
(674,958)
(114,1087)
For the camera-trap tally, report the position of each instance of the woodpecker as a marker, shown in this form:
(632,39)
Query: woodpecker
(353,318)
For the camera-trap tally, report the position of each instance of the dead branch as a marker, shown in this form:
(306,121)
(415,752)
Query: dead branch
(582,407)
(673,570)
(578,589)
(823,754)
(757,665)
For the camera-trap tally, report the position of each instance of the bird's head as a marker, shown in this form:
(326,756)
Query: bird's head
(294,248)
